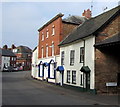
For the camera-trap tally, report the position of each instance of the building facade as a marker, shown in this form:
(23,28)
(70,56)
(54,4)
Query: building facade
(34,72)
(7,59)
(50,35)
(90,54)
(24,57)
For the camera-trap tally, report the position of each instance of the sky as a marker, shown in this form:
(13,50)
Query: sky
(20,20)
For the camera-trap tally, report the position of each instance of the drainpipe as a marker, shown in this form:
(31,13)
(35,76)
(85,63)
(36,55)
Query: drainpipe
(83,63)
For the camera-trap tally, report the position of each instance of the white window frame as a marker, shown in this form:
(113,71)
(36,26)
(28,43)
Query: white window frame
(68,76)
(73,77)
(42,52)
(46,50)
(53,50)
(62,57)
(47,33)
(53,30)
(42,37)
(72,57)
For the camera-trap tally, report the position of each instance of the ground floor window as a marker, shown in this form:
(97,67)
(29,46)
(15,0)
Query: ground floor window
(81,79)
(68,76)
(74,77)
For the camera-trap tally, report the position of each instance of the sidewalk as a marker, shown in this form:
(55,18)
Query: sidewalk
(98,99)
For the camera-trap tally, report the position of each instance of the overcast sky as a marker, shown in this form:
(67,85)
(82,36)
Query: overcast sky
(21,20)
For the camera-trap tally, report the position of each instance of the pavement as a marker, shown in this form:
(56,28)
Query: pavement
(19,88)
(104,99)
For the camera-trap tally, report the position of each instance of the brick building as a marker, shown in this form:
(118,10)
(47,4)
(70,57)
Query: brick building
(90,54)
(8,59)
(50,35)
(24,55)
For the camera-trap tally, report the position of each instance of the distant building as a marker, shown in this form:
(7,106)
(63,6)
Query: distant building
(24,55)
(8,58)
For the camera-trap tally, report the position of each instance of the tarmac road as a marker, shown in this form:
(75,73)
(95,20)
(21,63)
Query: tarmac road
(18,88)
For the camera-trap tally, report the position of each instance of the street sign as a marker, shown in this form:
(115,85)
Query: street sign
(108,84)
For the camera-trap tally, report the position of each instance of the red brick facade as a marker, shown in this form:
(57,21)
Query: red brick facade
(62,29)
(107,59)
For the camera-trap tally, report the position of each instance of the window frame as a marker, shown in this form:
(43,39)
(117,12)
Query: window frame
(72,57)
(62,57)
(68,76)
(82,54)
(73,77)
(53,30)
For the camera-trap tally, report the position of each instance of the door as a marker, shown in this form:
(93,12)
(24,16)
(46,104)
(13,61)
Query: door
(87,81)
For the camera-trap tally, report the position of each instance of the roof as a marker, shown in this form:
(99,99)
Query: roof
(71,19)
(74,19)
(6,52)
(53,19)
(34,49)
(23,49)
(90,26)
(112,40)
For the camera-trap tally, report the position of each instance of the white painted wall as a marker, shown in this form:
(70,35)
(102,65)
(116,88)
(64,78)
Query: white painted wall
(34,71)
(6,61)
(89,60)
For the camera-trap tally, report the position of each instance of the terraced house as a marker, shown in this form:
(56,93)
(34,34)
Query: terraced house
(50,35)
(90,55)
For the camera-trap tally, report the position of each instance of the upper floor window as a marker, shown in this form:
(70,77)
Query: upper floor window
(47,34)
(72,55)
(53,30)
(46,50)
(82,54)
(62,57)
(42,52)
(42,36)
(52,48)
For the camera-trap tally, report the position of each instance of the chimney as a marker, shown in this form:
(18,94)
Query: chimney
(13,46)
(87,13)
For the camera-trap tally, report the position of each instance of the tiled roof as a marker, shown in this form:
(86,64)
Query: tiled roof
(111,40)
(53,19)
(6,52)
(90,26)
(74,19)
(23,49)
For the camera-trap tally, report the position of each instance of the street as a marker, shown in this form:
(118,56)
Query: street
(18,88)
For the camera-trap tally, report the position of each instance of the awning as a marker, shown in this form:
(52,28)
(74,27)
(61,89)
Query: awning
(85,69)
(45,64)
(60,68)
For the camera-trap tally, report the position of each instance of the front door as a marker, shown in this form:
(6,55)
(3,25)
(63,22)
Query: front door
(87,81)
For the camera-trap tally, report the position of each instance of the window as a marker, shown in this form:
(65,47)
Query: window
(81,79)
(62,57)
(52,48)
(53,30)
(46,50)
(74,77)
(68,76)
(42,36)
(81,54)
(47,34)
(72,54)
(42,52)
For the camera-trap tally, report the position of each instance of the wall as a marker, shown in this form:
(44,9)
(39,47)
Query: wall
(107,58)
(34,71)
(52,38)
(89,60)
(5,60)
